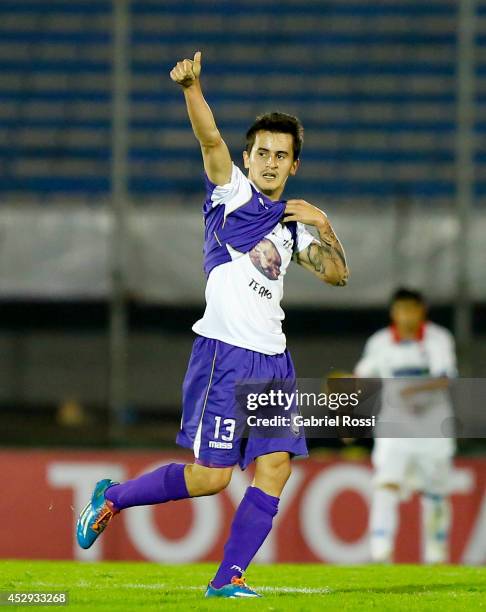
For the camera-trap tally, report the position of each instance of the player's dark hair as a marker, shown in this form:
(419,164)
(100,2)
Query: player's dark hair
(277,122)
(403,293)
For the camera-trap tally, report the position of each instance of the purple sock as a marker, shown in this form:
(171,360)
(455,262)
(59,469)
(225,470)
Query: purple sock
(166,483)
(251,525)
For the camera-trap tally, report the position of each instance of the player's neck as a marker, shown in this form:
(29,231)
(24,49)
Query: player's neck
(407,333)
(275,196)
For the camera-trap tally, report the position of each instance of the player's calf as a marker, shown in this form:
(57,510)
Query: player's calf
(436,517)
(384,522)
(251,525)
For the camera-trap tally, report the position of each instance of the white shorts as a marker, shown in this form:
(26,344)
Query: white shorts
(414,464)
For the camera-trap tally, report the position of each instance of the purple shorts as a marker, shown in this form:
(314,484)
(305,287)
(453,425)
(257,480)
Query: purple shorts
(213,423)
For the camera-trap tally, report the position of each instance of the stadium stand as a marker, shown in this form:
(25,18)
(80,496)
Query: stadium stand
(373,82)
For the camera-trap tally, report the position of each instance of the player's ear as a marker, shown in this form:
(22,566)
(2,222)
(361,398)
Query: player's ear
(295,166)
(246,160)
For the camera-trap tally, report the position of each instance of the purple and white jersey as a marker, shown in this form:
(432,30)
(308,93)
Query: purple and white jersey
(246,254)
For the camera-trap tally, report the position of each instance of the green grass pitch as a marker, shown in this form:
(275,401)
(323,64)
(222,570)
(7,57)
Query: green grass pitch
(114,586)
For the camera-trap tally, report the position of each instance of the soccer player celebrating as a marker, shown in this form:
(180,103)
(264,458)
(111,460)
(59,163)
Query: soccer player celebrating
(422,355)
(251,235)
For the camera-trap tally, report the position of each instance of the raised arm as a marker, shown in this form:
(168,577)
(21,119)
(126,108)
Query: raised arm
(325,259)
(216,157)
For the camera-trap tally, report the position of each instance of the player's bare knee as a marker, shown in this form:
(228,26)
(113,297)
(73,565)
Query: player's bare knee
(202,480)
(283,472)
(217,480)
(276,468)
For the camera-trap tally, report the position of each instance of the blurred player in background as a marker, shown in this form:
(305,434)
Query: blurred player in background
(411,348)
(251,235)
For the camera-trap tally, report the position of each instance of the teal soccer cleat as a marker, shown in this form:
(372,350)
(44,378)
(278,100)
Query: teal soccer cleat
(237,588)
(96,515)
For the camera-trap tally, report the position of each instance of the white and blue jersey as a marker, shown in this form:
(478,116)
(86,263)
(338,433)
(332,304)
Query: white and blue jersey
(247,250)
(432,353)
(398,361)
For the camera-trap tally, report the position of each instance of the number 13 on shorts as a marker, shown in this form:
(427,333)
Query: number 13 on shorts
(224,428)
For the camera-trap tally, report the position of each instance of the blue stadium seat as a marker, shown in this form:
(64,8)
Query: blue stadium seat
(372,80)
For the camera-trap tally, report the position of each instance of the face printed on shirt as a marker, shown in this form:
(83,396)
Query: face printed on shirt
(266,259)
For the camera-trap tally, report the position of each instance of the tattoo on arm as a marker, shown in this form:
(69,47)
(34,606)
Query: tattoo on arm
(332,246)
(329,251)
(314,256)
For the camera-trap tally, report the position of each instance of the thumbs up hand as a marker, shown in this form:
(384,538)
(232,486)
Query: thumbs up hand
(187,72)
